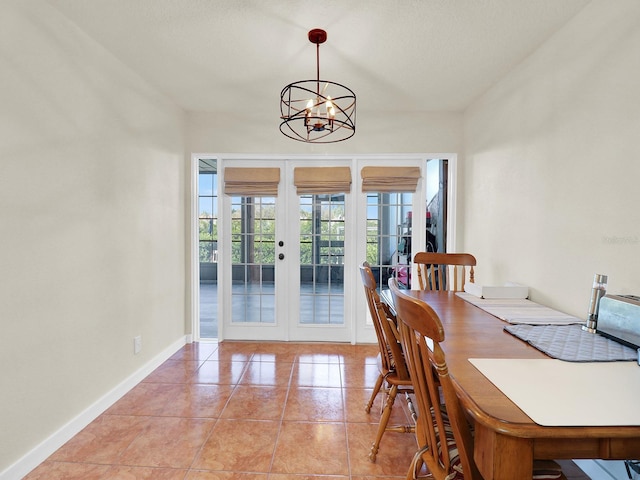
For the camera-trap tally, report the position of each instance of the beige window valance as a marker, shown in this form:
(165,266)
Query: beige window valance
(312,180)
(251,182)
(390,179)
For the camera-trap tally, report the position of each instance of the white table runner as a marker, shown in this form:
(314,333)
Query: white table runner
(520,310)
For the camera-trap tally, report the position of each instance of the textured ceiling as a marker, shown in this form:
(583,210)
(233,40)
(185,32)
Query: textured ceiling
(397,55)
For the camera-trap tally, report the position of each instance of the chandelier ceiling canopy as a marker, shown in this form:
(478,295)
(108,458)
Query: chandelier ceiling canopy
(317,111)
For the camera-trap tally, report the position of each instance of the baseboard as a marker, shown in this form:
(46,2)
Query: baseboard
(42,451)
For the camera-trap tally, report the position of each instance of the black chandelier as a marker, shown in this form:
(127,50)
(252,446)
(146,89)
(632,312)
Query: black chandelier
(317,111)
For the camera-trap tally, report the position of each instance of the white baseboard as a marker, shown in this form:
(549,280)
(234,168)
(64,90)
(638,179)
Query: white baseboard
(42,451)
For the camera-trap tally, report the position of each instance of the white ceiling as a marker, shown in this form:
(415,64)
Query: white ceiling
(397,55)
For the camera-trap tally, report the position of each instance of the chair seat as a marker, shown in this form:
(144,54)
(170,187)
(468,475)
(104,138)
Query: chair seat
(547,469)
(391,376)
(393,379)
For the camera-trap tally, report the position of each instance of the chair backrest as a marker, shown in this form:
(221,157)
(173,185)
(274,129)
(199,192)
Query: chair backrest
(444,271)
(384,322)
(437,429)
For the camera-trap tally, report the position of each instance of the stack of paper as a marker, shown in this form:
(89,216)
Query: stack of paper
(509,290)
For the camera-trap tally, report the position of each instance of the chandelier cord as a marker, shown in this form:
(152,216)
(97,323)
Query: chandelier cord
(318,69)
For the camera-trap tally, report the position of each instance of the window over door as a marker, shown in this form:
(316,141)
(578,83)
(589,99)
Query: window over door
(390,202)
(253,259)
(208,247)
(322,230)
(389,236)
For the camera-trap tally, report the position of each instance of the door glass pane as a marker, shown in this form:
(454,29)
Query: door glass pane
(253,259)
(389,219)
(322,229)
(208,246)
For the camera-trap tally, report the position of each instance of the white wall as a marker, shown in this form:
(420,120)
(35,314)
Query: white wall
(92,202)
(426,132)
(552,170)
(93,185)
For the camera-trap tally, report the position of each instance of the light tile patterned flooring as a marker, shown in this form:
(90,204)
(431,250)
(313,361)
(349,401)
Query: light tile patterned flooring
(242,410)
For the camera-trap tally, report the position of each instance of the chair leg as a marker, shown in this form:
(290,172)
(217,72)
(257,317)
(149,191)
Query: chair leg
(412,410)
(376,390)
(384,420)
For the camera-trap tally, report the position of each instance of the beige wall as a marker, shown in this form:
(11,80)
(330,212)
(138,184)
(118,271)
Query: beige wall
(552,170)
(425,132)
(92,222)
(94,183)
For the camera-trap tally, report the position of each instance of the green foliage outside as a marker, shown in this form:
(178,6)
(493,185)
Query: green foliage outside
(330,236)
(208,227)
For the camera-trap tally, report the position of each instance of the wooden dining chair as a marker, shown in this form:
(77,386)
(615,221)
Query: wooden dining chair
(444,271)
(393,375)
(443,431)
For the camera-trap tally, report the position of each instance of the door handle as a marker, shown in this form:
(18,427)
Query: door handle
(281,256)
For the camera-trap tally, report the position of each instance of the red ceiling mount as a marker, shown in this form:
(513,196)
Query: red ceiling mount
(317,36)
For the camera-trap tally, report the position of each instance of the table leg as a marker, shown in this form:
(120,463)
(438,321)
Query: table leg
(502,457)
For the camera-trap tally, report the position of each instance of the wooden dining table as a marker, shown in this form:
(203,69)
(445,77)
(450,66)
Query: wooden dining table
(506,439)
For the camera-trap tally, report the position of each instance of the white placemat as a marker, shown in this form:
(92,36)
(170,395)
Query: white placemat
(557,393)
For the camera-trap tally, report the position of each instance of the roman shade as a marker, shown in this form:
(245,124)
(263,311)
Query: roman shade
(390,179)
(254,182)
(313,180)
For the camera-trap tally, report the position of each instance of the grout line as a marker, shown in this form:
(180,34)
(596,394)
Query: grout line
(284,406)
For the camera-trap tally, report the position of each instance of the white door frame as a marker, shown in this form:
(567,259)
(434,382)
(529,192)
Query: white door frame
(361,329)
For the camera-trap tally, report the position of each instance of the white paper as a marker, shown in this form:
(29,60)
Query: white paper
(509,290)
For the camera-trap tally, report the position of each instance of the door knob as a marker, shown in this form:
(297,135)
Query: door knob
(281,256)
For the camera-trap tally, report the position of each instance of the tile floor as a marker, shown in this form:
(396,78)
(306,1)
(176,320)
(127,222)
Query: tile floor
(242,410)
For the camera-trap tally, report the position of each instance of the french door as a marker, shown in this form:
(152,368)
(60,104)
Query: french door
(284,276)
(280,240)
